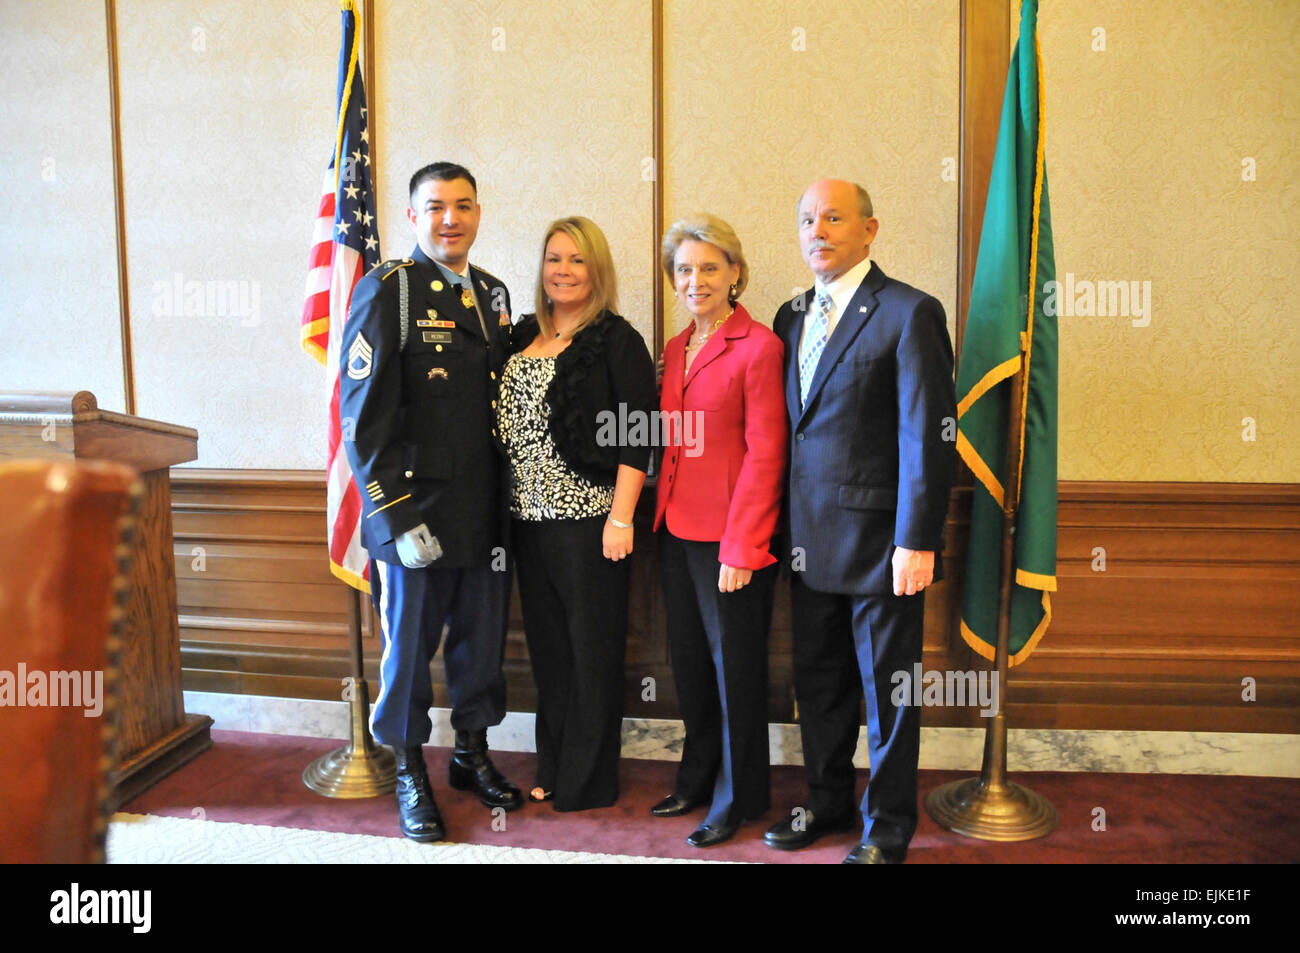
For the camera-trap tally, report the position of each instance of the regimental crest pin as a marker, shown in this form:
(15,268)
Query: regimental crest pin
(360,356)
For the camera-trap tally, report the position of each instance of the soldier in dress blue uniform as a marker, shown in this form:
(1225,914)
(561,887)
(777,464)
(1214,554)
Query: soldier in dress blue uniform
(421,359)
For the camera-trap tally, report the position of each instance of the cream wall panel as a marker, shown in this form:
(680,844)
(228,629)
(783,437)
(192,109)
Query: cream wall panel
(547,104)
(752,120)
(1145,144)
(227,112)
(58,261)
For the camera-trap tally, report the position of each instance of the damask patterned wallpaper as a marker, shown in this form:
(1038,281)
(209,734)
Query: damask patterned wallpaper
(1173,157)
(764,97)
(547,104)
(226,112)
(1172,145)
(58,260)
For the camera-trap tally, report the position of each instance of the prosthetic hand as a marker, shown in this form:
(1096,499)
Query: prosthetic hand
(417,547)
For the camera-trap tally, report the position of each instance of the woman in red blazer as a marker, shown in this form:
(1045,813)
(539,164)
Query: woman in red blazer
(725,433)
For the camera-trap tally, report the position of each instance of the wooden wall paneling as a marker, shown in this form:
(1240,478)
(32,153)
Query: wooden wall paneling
(985,56)
(1200,591)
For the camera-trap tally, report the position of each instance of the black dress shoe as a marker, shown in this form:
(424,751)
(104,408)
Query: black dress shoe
(869,854)
(419,815)
(472,770)
(798,831)
(674,805)
(706,835)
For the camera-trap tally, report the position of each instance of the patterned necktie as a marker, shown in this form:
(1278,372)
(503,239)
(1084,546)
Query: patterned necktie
(813,344)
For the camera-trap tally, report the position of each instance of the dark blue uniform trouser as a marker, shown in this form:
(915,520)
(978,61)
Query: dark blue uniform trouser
(718,642)
(413,607)
(846,647)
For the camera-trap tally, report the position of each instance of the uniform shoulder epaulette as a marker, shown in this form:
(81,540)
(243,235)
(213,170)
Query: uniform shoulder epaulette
(490,275)
(386,268)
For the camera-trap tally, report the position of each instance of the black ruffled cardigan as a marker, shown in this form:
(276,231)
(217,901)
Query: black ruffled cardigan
(607,367)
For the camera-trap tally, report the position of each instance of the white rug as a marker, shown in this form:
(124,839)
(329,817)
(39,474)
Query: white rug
(148,839)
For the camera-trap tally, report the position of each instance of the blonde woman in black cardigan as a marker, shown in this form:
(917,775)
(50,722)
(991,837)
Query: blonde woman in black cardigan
(576,365)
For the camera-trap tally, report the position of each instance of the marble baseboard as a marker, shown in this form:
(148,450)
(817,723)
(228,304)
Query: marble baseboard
(952,749)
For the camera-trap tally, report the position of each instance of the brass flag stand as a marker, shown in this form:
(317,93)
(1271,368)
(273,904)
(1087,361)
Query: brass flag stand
(990,807)
(361,768)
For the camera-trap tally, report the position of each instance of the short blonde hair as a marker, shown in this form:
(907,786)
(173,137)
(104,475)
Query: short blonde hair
(704,227)
(591,243)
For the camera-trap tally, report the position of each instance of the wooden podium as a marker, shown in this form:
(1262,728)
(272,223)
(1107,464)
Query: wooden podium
(155,734)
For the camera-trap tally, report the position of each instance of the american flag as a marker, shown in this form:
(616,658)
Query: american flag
(345,245)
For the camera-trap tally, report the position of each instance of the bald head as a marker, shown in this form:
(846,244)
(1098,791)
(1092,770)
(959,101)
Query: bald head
(839,185)
(836,227)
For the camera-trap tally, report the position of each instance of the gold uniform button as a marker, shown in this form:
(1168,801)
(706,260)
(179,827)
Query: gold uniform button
(436,286)
(494,403)
(493,374)
(409,474)
(437,347)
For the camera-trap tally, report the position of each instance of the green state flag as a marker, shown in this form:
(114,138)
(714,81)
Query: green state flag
(1007,306)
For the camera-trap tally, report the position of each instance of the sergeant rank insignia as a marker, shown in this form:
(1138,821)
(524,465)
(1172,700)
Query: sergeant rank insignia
(360,356)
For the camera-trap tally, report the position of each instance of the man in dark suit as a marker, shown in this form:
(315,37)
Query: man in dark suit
(421,356)
(869,392)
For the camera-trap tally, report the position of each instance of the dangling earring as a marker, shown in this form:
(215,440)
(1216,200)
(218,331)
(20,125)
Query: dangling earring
(732,294)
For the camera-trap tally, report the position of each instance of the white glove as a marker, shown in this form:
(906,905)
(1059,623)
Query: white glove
(418,547)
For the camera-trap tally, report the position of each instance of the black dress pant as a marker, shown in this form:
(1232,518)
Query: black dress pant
(846,647)
(718,642)
(574,603)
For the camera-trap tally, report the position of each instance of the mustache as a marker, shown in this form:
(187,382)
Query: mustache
(819,244)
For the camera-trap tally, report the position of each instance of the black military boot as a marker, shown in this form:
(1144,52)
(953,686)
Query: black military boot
(472,770)
(420,819)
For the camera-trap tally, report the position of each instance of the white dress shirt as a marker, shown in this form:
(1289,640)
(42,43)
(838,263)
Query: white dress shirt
(841,291)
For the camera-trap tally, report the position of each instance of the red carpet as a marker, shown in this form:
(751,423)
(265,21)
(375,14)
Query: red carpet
(1150,818)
